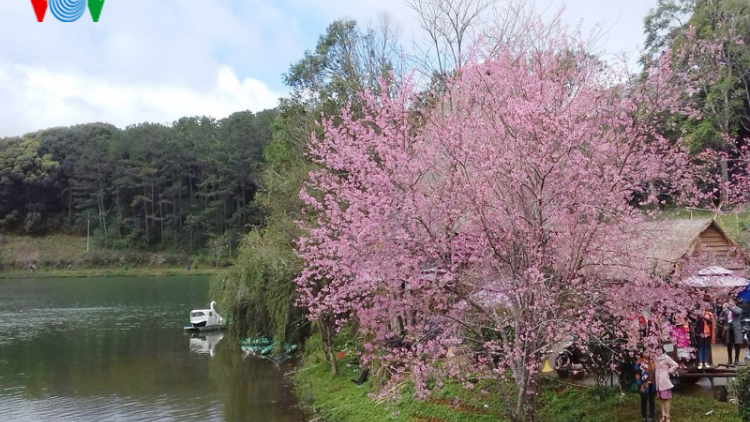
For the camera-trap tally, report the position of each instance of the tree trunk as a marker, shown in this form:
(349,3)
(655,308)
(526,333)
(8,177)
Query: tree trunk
(327,334)
(145,212)
(118,203)
(334,364)
(724,168)
(70,204)
(525,407)
(153,207)
(178,221)
(243,204)
(161,219)
(102,215)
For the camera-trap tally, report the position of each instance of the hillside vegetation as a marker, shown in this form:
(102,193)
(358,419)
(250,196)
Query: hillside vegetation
(66,254)
(187,186)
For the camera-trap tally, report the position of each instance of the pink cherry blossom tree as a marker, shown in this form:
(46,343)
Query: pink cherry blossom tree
(469,238)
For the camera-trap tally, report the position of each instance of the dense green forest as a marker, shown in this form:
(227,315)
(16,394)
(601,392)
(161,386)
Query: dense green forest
(181,187)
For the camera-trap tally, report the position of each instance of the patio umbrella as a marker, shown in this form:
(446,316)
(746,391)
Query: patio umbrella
(716,277)
(745,295)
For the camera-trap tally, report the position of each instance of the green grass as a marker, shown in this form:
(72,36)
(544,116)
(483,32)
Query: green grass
(104,272)
(571,404)
(340,400)
(57,247)
(65,256)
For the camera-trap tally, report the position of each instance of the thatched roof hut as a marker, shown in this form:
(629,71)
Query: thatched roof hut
(702,242)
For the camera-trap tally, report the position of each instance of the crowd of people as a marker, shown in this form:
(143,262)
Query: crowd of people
(692,339)
(697,334)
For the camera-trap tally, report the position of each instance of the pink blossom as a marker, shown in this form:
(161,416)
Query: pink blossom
(501,221)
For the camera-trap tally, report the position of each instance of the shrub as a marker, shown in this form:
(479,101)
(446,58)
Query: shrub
(156,261)
(742,389)
(95,259)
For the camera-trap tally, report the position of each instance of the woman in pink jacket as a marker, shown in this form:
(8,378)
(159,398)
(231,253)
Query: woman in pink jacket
(665,367)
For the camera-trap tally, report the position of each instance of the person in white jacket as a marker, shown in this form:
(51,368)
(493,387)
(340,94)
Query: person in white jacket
(665,367)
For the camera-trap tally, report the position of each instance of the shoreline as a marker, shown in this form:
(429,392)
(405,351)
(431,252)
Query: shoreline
(338,399)
(65,256)
(105,272)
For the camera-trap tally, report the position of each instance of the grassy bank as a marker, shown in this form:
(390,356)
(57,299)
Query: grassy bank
(104,272)
(20,251)
(66,256)
(340,400)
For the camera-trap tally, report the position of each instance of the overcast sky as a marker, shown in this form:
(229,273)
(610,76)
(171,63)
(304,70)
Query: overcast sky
(156,61)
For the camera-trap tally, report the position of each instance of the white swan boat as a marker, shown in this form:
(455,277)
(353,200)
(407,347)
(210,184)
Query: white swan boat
(205,319)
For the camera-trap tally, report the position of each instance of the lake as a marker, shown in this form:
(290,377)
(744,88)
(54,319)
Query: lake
(113,349)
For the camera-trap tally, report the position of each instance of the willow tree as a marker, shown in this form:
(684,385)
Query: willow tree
(259,289)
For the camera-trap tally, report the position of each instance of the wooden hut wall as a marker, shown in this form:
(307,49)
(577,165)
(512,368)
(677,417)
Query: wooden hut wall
(714,245)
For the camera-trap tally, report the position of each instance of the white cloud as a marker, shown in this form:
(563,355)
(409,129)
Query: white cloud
(36,98)
(144,61)
(160,60)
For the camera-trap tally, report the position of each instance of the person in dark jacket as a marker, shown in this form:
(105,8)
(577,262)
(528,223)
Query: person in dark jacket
(731,318)
(703,331)
(645,376)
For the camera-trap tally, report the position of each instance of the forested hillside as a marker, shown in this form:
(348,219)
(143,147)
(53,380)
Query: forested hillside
(185,186)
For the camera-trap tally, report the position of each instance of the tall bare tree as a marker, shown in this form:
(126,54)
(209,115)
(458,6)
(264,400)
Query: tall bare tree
(451,26)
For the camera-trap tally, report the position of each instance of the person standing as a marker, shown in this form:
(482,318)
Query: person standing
(704,332)
(664,368)
(731,318)
(645,376)
(681,338)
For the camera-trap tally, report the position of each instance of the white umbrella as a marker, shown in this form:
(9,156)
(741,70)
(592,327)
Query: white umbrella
(715,277)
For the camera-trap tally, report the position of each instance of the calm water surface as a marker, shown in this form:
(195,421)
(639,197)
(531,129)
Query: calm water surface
(113,349)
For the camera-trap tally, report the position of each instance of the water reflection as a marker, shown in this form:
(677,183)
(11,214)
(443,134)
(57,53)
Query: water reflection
(205,344)
(114,349)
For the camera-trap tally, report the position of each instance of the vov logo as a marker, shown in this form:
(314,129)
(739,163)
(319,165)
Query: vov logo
(67,10)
